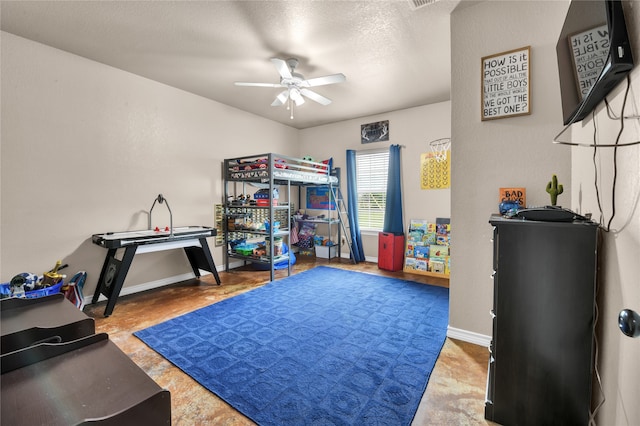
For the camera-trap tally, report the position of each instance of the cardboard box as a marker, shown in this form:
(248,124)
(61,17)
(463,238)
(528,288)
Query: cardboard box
(263,194)
(265,202)
(326,252)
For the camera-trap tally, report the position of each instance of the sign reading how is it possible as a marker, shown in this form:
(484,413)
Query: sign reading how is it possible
(505,84)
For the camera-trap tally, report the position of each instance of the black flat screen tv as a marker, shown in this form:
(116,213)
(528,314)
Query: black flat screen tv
(594,55)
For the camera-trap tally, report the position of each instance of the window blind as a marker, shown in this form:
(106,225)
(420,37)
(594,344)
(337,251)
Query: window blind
(372,168)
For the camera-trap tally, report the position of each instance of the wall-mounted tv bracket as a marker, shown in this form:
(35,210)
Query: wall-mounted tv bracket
(611,116)
(160,199)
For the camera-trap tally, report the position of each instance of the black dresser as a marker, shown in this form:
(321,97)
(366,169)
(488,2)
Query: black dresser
(541,362)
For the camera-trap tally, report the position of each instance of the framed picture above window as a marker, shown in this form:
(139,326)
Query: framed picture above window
(374,132)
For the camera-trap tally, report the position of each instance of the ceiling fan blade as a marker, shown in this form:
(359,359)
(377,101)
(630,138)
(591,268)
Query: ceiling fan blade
(281,98)
(315,96)
(282,67)
(322,81)
(241,83)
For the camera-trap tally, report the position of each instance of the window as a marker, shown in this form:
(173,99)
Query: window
(371,169)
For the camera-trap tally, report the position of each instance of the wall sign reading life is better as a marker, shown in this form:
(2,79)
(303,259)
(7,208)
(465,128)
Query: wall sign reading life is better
(505,84)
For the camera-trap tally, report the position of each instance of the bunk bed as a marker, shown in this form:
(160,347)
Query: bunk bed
(247,218)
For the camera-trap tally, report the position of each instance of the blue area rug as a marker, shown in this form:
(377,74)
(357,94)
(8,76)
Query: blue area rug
(325,346)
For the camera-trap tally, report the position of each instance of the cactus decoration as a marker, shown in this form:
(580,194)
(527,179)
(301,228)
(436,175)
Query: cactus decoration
(554,189)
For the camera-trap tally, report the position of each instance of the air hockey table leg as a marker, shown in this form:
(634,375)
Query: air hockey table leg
(200,258)
(111,253)
(117,280)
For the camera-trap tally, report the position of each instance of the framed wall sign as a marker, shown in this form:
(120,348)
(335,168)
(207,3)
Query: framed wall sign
(506,84)
(374,132)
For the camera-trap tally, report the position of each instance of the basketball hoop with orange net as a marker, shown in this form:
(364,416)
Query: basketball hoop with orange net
(439,148)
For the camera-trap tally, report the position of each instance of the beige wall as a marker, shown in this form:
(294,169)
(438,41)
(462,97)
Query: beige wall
(412,128)
(518,151)
(620,252)
(508,152)
(86,148)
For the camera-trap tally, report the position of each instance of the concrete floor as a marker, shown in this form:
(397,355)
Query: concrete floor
(454,396)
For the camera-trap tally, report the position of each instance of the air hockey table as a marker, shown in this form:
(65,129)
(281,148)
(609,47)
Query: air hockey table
(193,239)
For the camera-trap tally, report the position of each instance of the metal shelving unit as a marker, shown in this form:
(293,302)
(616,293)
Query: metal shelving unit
(271,172)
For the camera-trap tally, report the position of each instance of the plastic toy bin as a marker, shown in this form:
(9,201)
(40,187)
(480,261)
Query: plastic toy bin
(5,291)
(326,252)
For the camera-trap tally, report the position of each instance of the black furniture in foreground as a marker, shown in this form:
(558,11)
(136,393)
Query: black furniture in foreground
(541,361)
(51,319)
(83,379)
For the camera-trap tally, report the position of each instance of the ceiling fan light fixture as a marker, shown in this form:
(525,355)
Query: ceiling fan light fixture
(294,94)
(281,98)
(296,87)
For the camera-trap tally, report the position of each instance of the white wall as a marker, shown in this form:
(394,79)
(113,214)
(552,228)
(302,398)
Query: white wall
(412,128)
(620,251)
(519,152)
(508,152)
(86,148)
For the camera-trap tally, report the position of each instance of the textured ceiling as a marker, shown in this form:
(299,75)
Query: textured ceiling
(393,55)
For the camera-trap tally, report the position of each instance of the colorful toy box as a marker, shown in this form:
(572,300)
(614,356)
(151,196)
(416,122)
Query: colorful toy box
(262,197)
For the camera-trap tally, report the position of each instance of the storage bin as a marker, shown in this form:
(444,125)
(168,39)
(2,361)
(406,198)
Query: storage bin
(390,251)
(265,202)
(5,291)
(326,252)
(245,249)
(277,245)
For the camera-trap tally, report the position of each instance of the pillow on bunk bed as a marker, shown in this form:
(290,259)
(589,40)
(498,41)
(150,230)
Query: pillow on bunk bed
(261,163)
(279,163)
(326,168)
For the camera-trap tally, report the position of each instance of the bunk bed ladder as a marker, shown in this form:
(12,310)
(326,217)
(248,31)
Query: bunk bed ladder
(343,215)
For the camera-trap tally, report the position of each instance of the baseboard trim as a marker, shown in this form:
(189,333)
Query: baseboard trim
(149,285)
(469,336)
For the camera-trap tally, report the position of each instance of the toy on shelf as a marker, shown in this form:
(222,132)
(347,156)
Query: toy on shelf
(554,189)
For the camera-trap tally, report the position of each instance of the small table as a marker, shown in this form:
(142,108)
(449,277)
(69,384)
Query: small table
(192,238)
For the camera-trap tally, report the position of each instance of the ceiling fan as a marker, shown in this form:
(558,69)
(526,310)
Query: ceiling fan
(296,88)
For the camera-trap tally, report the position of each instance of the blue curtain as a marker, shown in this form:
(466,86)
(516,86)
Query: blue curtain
(352,205)
(393,212)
